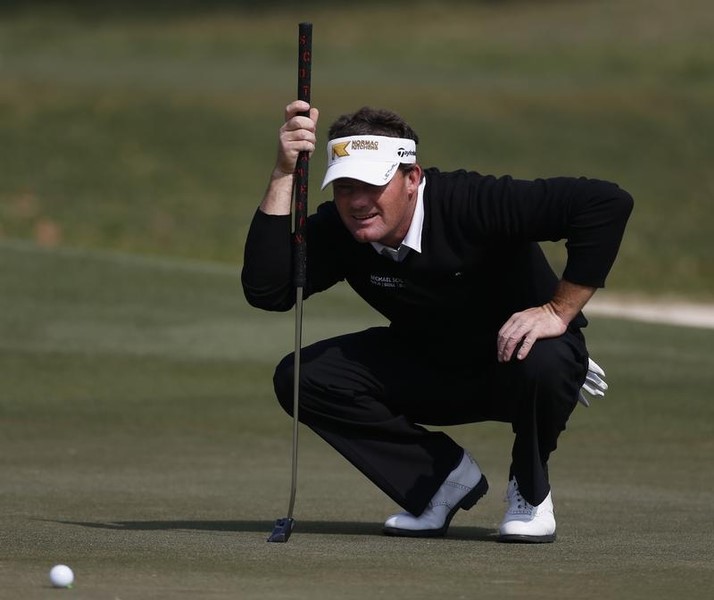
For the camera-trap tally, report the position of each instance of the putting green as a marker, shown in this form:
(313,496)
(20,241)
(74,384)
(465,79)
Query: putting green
(141,446)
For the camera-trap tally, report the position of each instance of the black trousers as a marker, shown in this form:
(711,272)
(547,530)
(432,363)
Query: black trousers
(369,395)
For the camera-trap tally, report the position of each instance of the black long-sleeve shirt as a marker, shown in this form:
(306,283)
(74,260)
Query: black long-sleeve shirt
(480,261)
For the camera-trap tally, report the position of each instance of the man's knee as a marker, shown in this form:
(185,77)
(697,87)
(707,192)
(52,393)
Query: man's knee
(283,382)
(554,366)
(547,362)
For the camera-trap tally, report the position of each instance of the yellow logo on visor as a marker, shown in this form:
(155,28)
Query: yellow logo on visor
(340,150)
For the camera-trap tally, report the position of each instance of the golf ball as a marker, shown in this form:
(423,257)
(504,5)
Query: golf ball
(61,576)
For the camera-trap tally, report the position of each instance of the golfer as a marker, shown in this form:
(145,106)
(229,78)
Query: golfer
(480,327)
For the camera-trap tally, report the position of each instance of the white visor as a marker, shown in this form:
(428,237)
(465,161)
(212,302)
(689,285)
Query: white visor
(370,158)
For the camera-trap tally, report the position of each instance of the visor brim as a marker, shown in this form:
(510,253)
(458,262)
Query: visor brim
(372,172)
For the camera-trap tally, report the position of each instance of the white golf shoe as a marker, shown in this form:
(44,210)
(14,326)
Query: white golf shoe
(463,487)
(524,522)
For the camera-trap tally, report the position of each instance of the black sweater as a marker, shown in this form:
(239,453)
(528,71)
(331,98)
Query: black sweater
(480,261)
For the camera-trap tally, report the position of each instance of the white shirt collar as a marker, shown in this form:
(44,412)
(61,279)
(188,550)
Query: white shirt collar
(412,241)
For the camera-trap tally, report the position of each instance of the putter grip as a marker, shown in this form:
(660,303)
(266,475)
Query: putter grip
(302,166)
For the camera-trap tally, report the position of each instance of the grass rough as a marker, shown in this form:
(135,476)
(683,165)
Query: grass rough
(153,130)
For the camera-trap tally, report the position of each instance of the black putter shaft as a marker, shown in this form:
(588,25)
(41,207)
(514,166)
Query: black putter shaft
(284,526)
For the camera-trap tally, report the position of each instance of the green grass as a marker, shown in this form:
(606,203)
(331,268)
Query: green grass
(140,443)
(153,131)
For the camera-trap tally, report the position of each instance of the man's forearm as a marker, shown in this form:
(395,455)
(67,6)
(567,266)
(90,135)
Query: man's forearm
(278,196)
(569,299)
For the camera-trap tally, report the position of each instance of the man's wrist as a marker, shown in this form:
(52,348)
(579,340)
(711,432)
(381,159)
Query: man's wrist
(569,299)
(278,174)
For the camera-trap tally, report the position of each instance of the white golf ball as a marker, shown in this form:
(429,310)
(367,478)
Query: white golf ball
(61,576)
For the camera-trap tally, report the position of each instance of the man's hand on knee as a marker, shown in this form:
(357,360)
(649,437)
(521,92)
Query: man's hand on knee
(523,329)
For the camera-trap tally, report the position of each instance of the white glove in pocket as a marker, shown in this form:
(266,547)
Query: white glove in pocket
(594,385)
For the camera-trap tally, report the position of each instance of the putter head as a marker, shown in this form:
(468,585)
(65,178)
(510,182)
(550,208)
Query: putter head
(282,530)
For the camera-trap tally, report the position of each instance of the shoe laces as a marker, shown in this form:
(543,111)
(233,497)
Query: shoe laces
(517,503)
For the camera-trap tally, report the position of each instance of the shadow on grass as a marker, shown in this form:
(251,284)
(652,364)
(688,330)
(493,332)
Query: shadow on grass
(308,527)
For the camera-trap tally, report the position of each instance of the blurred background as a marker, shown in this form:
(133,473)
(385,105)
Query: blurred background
(150,127)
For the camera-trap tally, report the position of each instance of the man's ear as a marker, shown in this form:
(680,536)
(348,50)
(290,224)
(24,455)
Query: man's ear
(414,177)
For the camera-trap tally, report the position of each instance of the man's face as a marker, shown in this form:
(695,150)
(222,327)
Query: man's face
(375,213)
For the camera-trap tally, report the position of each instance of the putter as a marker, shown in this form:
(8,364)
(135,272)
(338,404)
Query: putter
(284,526)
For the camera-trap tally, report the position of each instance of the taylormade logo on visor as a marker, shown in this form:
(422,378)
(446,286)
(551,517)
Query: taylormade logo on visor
(403,152)
(369,158)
